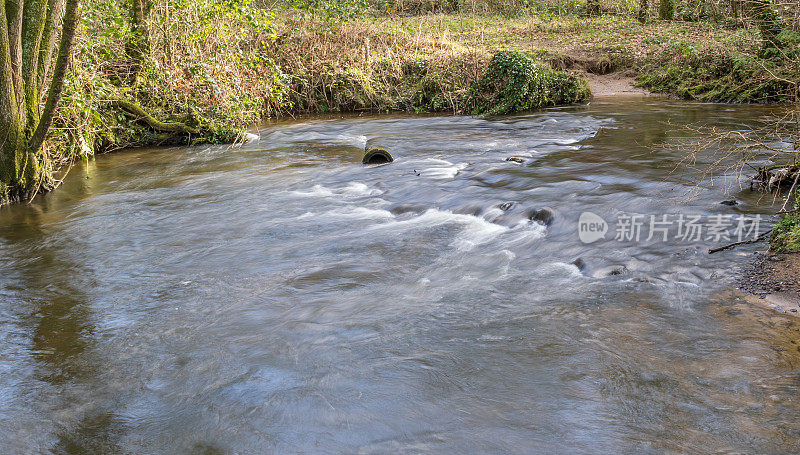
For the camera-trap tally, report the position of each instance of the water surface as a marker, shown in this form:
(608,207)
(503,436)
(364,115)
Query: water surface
(280,297)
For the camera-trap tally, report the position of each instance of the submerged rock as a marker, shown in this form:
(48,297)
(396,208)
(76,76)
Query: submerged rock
(517,159)
(731,203)
(407,208)
(580,264)
(473,210)
(506,206)
(611,271)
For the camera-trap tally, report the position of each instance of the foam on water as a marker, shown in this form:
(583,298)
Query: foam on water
(287,136)
(475,230)
(360,213)
(440,172)
(315,191)
(360,189)
(351,190)
(436,169)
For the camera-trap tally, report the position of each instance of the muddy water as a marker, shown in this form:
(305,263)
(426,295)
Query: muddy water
(279,297)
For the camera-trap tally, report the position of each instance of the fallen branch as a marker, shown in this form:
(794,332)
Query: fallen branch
(786,212)
(744,242)
(141,114)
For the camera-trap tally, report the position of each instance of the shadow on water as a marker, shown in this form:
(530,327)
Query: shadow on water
(50,283)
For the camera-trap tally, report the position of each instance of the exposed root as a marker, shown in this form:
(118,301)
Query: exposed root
(141,114)
(777,177)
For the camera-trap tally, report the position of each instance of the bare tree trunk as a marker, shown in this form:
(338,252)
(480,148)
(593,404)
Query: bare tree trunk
(592,8)
(643,13)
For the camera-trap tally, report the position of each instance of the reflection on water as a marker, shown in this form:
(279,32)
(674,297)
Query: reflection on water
(281,297)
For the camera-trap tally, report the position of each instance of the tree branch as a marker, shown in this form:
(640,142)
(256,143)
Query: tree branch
(54,10)
(33,20)
(744,242)
(8,101)
(57,84)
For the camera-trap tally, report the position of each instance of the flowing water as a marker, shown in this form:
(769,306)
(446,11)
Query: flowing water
(279,297)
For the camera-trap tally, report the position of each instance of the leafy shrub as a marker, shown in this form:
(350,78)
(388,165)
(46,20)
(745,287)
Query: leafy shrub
(786,234)
(513,82)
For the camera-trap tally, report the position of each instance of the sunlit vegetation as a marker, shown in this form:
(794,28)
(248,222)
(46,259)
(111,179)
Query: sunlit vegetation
(150,72)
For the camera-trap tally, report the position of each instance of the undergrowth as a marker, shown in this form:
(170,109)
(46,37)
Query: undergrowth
(727,78)
(786,234)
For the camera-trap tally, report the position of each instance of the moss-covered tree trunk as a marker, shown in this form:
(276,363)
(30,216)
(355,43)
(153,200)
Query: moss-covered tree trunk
(137,47)
(666,10)
(28,31)
(736,8)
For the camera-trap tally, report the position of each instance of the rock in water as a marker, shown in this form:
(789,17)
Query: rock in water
(544,216)
(506,206)
(610,271)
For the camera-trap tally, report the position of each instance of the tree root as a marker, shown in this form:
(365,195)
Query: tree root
(783,176)
(141,114)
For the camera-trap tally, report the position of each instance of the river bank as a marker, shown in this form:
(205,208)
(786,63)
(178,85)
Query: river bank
(773,279)
(221,68)
(240,68)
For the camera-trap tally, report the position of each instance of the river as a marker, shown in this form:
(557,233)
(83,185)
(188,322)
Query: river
(279,297)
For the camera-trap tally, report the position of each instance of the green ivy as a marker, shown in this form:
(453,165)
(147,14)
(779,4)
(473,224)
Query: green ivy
(513,82)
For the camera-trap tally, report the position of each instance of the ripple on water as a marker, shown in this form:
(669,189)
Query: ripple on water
(282,297)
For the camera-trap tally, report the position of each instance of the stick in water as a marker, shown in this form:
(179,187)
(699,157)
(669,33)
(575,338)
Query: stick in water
(743,242)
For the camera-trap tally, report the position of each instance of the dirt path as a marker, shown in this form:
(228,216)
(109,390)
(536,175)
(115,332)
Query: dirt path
(614,84)
(603,77)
